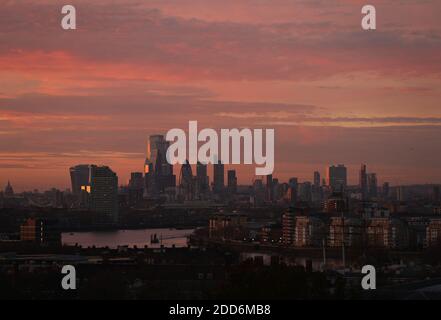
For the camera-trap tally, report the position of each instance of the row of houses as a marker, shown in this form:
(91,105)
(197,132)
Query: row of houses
(376,232)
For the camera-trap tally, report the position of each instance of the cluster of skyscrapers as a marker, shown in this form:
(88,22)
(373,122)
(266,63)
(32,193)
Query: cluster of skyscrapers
(97,186)
(160,181)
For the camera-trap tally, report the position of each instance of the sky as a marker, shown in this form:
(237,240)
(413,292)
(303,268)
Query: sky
(333,92)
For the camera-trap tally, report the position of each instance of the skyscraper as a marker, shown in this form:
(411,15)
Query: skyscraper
(232,182)
(316,188)
(157,151)
(136,188)
(202,181)
(158,172)
(316,180)
(104,192)
(293,190)
(372,185)
(363,182)
(136,180)
(269,188)
(219,179)
(186,182)
(337,177)
(80,177)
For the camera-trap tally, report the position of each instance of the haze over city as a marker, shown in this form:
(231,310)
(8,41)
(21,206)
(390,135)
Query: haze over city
(334,93)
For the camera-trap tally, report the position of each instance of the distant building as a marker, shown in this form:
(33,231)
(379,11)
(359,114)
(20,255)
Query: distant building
(373,210)
(309,231)
(387,233)
(288,227)
(269,197)
(186,182)
(305,192)
(202,180)
(316,188)
(232,182)
(104,192)
(316,179)
(401,194)
(258,197)
(372,185)
(275,194)
(363,182)
(349,229)
(271,233)
(227,226)
(42,231)
(336,203)
(158,172)
(337,177)
(135,188)
(9,191)
(291,196)
(79,176)
(219,177)
(433,233)
(301,230)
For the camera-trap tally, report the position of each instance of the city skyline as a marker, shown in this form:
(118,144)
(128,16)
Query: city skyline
(334,93)
(351,179)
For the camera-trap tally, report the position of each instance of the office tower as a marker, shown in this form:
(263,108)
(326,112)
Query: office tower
(363,182)
(316,188)
(316,180)
(372,185)
(136,188)
(292,193)
(276,190)
(9,191)
(104,192)
(218,181)
(186,182)
(337,177)
(158,172)
(136,180)
(202,181)
(259,192)
(80,177)
(157,153)
(385,190)
(232,182)
(269,188)
(293,182)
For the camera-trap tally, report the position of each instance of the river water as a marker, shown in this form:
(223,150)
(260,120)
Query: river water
(131,238)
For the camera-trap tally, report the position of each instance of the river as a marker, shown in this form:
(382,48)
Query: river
(131,238)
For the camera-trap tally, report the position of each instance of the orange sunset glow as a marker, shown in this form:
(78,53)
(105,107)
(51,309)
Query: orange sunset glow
(333,92)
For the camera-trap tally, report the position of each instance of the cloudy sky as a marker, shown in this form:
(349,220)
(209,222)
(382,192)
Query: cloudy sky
(333,92)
